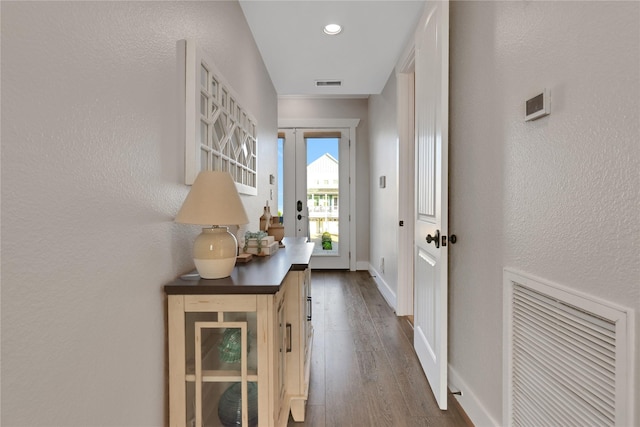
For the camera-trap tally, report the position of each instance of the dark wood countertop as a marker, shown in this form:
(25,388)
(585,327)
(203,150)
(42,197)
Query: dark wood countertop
(262,275)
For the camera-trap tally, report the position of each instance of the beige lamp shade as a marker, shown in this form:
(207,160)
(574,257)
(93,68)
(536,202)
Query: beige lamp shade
(213,200)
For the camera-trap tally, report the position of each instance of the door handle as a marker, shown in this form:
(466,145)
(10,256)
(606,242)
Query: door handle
(300,216)
(435,238)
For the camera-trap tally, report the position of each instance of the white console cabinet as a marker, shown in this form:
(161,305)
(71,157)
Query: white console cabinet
(240,347)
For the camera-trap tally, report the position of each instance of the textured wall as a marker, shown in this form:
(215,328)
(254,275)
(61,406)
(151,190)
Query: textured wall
(557,198)
(92,172)
(335,108)
(383,129)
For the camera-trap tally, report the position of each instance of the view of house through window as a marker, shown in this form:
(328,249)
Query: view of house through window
(323,199)
(322,194)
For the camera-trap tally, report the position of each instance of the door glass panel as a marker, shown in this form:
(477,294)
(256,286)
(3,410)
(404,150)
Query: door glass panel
(313,180)
(323,196)
(281,179)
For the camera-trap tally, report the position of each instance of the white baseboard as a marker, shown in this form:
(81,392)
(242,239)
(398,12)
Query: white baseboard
(388,293)
(470,403)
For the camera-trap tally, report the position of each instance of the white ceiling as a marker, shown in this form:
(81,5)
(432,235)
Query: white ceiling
(290,37)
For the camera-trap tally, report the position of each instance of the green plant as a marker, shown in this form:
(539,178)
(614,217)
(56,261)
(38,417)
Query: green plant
(326,241)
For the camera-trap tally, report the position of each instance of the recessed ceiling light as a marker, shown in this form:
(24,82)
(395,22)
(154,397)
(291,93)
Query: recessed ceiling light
(332,29)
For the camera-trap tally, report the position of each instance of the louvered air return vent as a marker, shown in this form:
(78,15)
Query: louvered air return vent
(567,360)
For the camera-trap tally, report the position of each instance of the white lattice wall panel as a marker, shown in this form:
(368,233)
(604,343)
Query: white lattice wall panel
(220,134)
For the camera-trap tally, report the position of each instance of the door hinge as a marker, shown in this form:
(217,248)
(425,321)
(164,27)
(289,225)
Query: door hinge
(349,254)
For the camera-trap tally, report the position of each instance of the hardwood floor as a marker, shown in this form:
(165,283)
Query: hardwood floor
(364,371)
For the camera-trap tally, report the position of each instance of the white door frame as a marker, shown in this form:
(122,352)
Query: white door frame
(333,124)
(405,70)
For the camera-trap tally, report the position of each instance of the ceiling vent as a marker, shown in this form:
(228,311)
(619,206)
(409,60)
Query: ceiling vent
(328,83)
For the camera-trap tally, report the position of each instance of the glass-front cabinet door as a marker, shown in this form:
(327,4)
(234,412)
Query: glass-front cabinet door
(221,369)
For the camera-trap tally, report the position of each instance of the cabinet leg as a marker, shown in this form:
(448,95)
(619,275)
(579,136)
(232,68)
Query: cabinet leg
(297,409)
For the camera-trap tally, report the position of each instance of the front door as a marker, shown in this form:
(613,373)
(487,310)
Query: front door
(430,267)
(316,192)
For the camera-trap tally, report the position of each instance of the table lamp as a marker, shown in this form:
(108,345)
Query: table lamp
(214,200)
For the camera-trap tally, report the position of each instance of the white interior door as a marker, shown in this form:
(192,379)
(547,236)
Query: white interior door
(316,192)
(432,95)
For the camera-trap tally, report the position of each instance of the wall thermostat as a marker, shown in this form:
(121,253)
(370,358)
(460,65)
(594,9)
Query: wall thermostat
(537,107)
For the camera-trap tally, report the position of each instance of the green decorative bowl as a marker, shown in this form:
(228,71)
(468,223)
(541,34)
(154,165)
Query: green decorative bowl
(230,405)
(230,347)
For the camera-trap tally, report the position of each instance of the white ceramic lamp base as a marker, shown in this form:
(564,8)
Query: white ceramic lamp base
(214,253)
